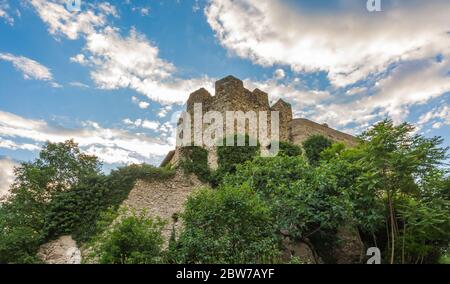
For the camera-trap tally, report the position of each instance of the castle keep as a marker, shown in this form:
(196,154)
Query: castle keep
(231,95)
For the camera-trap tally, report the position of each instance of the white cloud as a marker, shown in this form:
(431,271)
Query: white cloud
(144,11)
(355,91)
(60,21)
(196,6)
(279,74)
(118,61)
(133,62)
(144,123)
(439,116)
(30,68)
(141,104)
(91,137)
(153,125)
(411,83)
(349,43)
(79,58)
(4,13)
(6,175)
(144,105)
(164,111)
(108,9)
(78,84)
(11,145)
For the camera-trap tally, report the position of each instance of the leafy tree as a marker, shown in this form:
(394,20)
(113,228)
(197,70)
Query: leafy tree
(231,156)
(227,225)
(313,146)
(303,200)
(135,239)
(59,167)
(73,211)
(398,162)
(289,149)
(394,178)
(332,152)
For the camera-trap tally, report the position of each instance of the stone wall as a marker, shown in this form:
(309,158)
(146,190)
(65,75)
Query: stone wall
(64,250)
(163,199)
(231,95)
(300,129)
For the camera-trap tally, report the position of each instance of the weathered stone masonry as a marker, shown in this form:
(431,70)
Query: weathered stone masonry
(230,95)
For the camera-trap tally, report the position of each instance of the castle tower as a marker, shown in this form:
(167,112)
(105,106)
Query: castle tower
(285,110)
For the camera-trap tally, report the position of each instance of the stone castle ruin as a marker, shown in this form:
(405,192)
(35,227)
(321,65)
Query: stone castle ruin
(165,198)
(231,95)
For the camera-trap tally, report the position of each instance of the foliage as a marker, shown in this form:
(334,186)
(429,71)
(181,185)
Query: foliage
(59,167)
(396,183)
(303,200)
(393,186)
(231,156)
(227,225)
(195,160)
(135,239)
(332,152)
(62,192)
(313,146)
(289,149)
(73,211)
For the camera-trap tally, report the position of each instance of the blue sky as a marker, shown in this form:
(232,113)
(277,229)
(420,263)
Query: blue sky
(114,75)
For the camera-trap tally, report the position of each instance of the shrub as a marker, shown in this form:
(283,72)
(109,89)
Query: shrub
(135,239)
(227,225)
(313,146)
(195,160)
(303,200)
(73,211)
(289,149)
(231,156)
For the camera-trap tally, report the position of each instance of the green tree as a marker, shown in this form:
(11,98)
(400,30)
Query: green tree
(135,239)
(227,225)
(289,149)
(231,156)
(303,200)
(395,178)
(59,167)
(73,211)
(313,146)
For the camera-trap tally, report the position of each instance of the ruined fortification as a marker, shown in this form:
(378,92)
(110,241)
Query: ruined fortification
(231,95)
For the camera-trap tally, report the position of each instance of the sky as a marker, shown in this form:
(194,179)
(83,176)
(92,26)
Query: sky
(114,75)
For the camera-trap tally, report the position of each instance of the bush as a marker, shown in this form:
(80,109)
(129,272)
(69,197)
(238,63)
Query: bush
(303,200)
(135,239)
(74,211)
(231,156)
(313,146)
(227,225)
(289,149)
(195,160)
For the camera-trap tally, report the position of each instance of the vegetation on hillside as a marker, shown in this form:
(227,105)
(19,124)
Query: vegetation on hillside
(393,187)
(62,192)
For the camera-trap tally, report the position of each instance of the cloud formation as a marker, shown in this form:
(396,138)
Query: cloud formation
(5,12)
(349,43)
(117,61)
(109,144)
(30,68)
